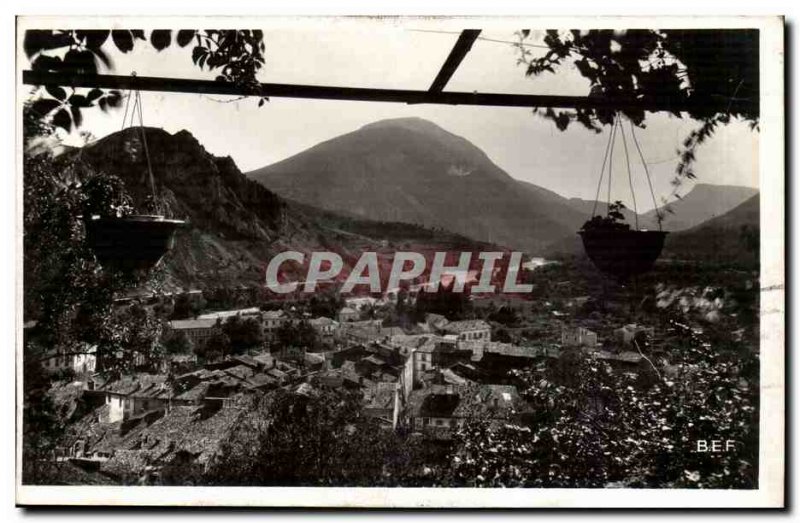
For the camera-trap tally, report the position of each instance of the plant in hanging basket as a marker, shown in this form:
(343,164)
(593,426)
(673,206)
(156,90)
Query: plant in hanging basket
(121,240)
(618,250)
(614,220)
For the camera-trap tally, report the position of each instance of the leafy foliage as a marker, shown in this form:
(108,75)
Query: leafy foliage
(176,342)
(713,72)
(75,52)
(613,220)
(242,333)
(596,426)
(216,347)
(325,304)
(504,315)
(445,301)
(40,425)
(296,335)
(236,55)
(314,439)
(697,68)
(186,306)
(65,289)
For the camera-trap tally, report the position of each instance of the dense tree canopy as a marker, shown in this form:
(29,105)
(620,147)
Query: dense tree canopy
(243,333)
(66,290)
(596,426)
(316,438)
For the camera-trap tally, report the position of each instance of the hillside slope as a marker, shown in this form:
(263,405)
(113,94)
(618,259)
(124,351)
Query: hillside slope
(704,202)
(235,224)
(411,170)
(732,237)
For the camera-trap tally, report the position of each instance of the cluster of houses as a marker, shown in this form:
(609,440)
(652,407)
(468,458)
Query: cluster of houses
(136,423)
(426,381)
(133,395)
(347,324)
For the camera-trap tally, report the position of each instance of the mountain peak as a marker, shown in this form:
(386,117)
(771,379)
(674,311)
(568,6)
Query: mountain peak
(415,125)
(408,122)
(412,170)
(701,186)
(703,202)
(134,134)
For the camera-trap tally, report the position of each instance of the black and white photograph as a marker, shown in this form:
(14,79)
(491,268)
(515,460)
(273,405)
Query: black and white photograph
(400,262)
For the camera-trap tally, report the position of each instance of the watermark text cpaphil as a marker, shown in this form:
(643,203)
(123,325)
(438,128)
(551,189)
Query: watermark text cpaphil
(467,272)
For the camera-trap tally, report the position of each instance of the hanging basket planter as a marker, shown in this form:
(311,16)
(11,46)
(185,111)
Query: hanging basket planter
(623,253)
(614,247)
(131,243)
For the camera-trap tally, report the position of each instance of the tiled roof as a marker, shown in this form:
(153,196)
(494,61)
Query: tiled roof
(264,358)
(322,321)
(508,349)
(197,392)
(634,327)
(451,377)
(183,358)
(228,314)
(314,358)
(125,462)
(380,396)
(419,342)
(206,374)
(306,389)
(431,403)
(276,373)
(241,372)
(462,401)
(139,385)
(260,380)
(273,315)
(363,333)
(626,357)
(489,401)
(375,360)
(244,359)
(195,430)
(391,331)
(457,327)
(193,324)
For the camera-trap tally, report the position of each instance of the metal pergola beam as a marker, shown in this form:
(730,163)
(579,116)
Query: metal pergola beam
(181,85)
(457,54)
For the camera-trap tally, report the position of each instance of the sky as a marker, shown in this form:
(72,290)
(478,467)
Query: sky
(382,55)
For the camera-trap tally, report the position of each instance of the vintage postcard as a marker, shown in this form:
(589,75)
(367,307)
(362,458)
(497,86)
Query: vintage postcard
(400,262)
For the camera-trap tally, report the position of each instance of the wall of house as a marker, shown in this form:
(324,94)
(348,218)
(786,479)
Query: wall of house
(273,323)
(198,336)
(79,363)
(139,405)
(423,361)
(440,422)
(477,335)
(589,339)
(420,423)
(409,375)
(579,336)
(83,363)
(116,411)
